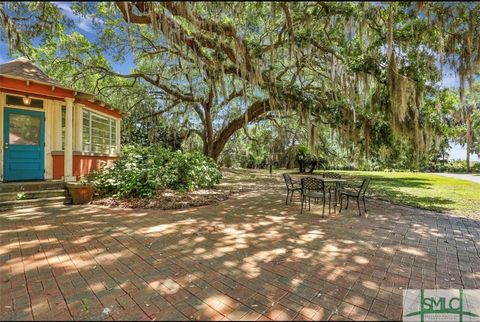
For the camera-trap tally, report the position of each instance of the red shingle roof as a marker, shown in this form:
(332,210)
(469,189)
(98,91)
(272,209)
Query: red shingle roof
(24,68)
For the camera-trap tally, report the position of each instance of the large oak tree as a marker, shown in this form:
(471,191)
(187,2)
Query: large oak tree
(359,68)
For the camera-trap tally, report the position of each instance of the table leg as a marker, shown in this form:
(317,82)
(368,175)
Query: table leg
(337,192)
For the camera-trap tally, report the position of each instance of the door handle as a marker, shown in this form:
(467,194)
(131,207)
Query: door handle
(6,146)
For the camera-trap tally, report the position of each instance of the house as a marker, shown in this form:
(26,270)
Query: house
(49,131)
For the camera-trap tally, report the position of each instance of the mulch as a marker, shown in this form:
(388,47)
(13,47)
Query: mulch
(170,199)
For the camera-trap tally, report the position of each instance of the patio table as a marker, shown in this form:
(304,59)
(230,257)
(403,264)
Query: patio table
(336,181)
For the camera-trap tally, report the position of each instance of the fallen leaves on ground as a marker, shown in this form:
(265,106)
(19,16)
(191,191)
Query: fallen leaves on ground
(234,182)
(170,199)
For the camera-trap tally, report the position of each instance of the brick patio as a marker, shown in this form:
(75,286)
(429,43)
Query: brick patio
(248,258)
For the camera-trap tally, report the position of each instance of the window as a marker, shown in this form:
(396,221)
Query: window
(99,133)
(24,129)
(18,100)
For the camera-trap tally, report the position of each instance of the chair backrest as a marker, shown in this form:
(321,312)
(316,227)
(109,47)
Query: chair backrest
(312,184)
(364,186)
(288,180)
(332,175)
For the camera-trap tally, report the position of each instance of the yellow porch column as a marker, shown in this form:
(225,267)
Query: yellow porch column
(68,152)
(78,126)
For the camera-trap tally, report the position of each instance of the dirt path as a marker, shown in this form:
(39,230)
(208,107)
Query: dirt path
(462,176)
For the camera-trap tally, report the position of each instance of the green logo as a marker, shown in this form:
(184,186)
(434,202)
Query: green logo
(434,304)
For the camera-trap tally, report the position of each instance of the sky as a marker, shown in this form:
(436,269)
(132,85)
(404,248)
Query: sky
(85,27)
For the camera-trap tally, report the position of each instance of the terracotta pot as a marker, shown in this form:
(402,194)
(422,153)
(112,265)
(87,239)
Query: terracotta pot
(80,193)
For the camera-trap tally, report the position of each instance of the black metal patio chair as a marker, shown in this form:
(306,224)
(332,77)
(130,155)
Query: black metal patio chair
(292,186)
(314,188)
(356,193)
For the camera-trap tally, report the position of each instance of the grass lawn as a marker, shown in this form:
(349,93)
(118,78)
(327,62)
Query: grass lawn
(424,190)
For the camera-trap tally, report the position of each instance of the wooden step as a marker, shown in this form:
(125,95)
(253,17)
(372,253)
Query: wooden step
(22,195)
(17,204)
(31,186)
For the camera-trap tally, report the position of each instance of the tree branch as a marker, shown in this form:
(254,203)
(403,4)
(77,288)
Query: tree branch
(253,112)
(166,109)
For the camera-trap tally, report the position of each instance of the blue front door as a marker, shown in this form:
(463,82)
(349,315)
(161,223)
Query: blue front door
(24,145)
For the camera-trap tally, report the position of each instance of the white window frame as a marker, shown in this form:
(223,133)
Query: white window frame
(112,146)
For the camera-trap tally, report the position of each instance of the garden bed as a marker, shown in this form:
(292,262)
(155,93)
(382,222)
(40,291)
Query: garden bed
(170,199)
(234,181)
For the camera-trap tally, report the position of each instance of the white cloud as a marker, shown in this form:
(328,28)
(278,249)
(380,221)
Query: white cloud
(81,23)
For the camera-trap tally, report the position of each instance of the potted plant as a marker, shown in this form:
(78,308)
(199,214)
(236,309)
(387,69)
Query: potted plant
(80,191)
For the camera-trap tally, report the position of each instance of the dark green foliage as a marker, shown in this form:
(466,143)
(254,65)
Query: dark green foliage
(459,166)
(320,63)
(146,133)
(140,171)
(306,159)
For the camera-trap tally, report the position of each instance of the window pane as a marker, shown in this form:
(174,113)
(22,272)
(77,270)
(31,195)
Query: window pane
(113,137)
(100,134)
(86,131)
(24,129)
(18,100)
(99,138)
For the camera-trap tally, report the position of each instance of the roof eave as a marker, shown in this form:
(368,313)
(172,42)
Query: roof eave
(75,92)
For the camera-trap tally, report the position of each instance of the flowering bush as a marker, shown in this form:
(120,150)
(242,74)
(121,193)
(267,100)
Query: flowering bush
(141,171)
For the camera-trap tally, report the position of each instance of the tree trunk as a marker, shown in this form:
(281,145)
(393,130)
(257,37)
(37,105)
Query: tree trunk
(367,141)
(209,142)
(469,137)
(301,166)
(253,112)
(313,166)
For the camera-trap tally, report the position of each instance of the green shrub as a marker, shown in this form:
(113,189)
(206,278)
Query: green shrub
(306,159)
(140,171)
(193,171)
(460,166)
(475,167)
(302,150)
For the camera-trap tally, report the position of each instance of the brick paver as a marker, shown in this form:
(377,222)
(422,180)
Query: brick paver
(248,258)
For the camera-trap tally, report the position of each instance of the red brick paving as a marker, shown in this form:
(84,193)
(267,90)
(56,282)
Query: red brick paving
(248,258)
